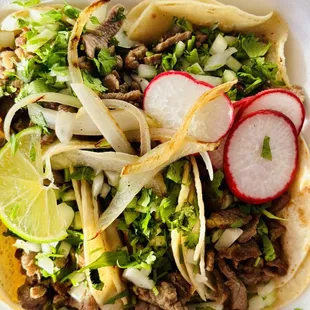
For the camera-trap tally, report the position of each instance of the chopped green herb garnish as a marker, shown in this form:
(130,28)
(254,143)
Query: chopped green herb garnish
(254,47)
(94,20)
(237,223)
(71,11)
(269,252)
(175,171)
(105,62)
(27,4)
(119,15)
(83,173)
(191,240)
(266,151)
(92,82)
(111,301)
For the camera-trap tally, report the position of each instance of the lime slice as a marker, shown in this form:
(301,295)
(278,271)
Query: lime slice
(27,207)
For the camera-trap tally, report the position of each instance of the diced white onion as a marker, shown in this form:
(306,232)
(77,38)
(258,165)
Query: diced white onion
(138,278)
(146,71)
(48,248)
(103,119)
(64,126)
(64,248)
(46,264)
(78,278)
(10,23)
(105,190)
(229,75)
(145,139)
(233,64)
(230,39)
(113,178)
(206,158)
(228,199)
(27,246)
(101,14)
(7,39)
(97,184)
(219,60)
(189,257)
(213,80)
(142,82)
(265,289)
(123,40)
(78,292)
(219,45)
(229,236)
(201,279)
(256,303)
(40,39)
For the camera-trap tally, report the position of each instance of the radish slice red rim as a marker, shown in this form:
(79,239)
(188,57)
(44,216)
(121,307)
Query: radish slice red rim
(281,100)
(169,97)
(250,176)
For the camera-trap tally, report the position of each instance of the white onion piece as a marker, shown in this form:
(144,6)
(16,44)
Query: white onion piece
(127,79)
(105,190)
(219,45)
(73,57)
(101,14)
(146,71)
(27,246)
(103,119)
(201,207)
(256,303)
(123,40)
(229,236)
(113,178)
(40,39)
(264,289)
(7,39)
(142,82)
(138,278)
(78,292)
(106,161)
(201,279)
(64,126)
(213,80)
(189,257)
(97,184)
(47,264)
(207,160)
(140,116)
(219,60)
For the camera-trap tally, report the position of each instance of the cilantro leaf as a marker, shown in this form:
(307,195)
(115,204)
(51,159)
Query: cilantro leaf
(266,151)
(175,171)
(184,24)
(145,225)
(254,47)
(119,15)
(94,20)
(27,4)
(191,240)
(111,301)
(269,252)
(169,61)
(272,216)
(71,11)
(105,62)
(83,173)
(92,82)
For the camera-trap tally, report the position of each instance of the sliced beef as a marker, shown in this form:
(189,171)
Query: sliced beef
(132,96)
(124,88)
(28,264)
(87,303)
(100,37)
(61,288)
(134,56)
(238,294)
(276,230)
(37,291)
(239,252)
(153,60)
(119,62)
(200,38)
(160,47)
(86,64)
(222,292)
(142,305)
(111,82)
(225,218)
(249,231)
(210,258)
(28,303)
(184,289)
(276,268)
(280,203)
(135,86)
(66,108)
(167,297)
(225,269)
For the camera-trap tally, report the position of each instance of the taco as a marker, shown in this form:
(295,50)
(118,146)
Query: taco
(151,159)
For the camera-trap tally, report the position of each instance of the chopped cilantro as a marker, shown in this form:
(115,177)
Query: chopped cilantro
(266,151)
(92,82)
(237,224)
(175,171)
(114,41)
(184,24)
(269,252)
(169,61)
(119,15)
(105,62)
(83,173)
(111,301)
(191,240)
(145,224)
(94,20)
(254,47)
(71,11)
(262,228)
(27,4)
(40,121)
(51,16)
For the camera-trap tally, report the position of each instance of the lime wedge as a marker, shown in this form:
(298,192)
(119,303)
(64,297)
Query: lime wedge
(27,207)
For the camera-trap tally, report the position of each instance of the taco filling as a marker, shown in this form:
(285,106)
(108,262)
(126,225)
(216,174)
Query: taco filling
(151,158)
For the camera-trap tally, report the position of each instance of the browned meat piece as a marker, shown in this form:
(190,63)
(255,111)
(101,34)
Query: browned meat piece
(86,64)
(87,303)
(222,292)
(167,297)
(119,62)
(239,252)
(225,218)
(134,56)
(276,230)
(280,203)
(172,40)
(201,37)
(132,96)
(142,305)
(276,268)
(153,60)
(5,105)
(225,269)
(21,40)
(49,138)
(60,301)
(37,291)
(29,303)
(184,289)
(135,86)
(21,120)
(28,264)
(100,37)
(66,108)
(210,258)
(50,105)
(238,294)
(111,82)
(250,230)
(60,262)
(124,88)
(61,288)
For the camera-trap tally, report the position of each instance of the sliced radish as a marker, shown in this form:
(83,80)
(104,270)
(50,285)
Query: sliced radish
(251,177)
(171,94)
(281,100)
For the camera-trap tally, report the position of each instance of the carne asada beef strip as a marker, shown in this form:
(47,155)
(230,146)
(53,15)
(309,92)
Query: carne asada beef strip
(160,47)
(250,230)
(132,96)
(280,203)
(210,259)
(134,56)
(153,60)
